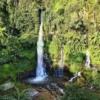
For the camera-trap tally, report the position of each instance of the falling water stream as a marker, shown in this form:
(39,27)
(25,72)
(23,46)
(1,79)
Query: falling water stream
(40,71)
(59,70)
(75,77)
(87,63)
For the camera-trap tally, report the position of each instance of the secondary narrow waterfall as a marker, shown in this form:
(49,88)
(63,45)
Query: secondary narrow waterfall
(59,70)
(87,63)
(61,63)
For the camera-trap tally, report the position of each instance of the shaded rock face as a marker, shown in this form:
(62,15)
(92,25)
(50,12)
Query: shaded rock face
(48,64)
(58,72)
(23,75)
(31,94)
(67,72)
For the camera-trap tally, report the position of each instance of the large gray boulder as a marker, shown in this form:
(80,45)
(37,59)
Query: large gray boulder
(6,86)
(31,94)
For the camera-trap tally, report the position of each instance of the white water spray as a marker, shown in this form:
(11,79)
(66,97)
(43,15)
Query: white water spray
(87,63)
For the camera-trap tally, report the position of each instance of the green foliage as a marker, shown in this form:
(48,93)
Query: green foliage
(2,37)
(75,68)
(57,5)
(54,48)
(16,93)
(7,71)
(75,92)
(96,77)
(94,42)
(28,39)
(77,58)
(69,24)
(88,74)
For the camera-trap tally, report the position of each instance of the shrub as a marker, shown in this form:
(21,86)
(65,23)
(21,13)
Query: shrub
(96,77)
(75,92)
(88,74)
(74,68)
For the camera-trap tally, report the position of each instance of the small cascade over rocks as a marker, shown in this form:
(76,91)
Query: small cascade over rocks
(75,77)
(87,63)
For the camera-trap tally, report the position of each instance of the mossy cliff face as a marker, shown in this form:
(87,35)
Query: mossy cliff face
(73,25)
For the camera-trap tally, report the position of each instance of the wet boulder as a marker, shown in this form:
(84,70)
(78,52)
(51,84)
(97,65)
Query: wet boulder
(31,94)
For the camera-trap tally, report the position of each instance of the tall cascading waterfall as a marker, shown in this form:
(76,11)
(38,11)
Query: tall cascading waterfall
(87,63)
(40,71)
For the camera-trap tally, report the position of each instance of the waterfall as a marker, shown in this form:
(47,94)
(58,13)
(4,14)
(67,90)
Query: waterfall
(87,63)
(61,62)
(59,70)
(40,71)
(75,77)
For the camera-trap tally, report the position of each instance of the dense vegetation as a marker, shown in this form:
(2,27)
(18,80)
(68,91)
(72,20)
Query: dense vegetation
(73,25)
(83,93)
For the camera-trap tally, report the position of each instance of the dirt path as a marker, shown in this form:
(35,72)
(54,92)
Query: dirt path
(45,95)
